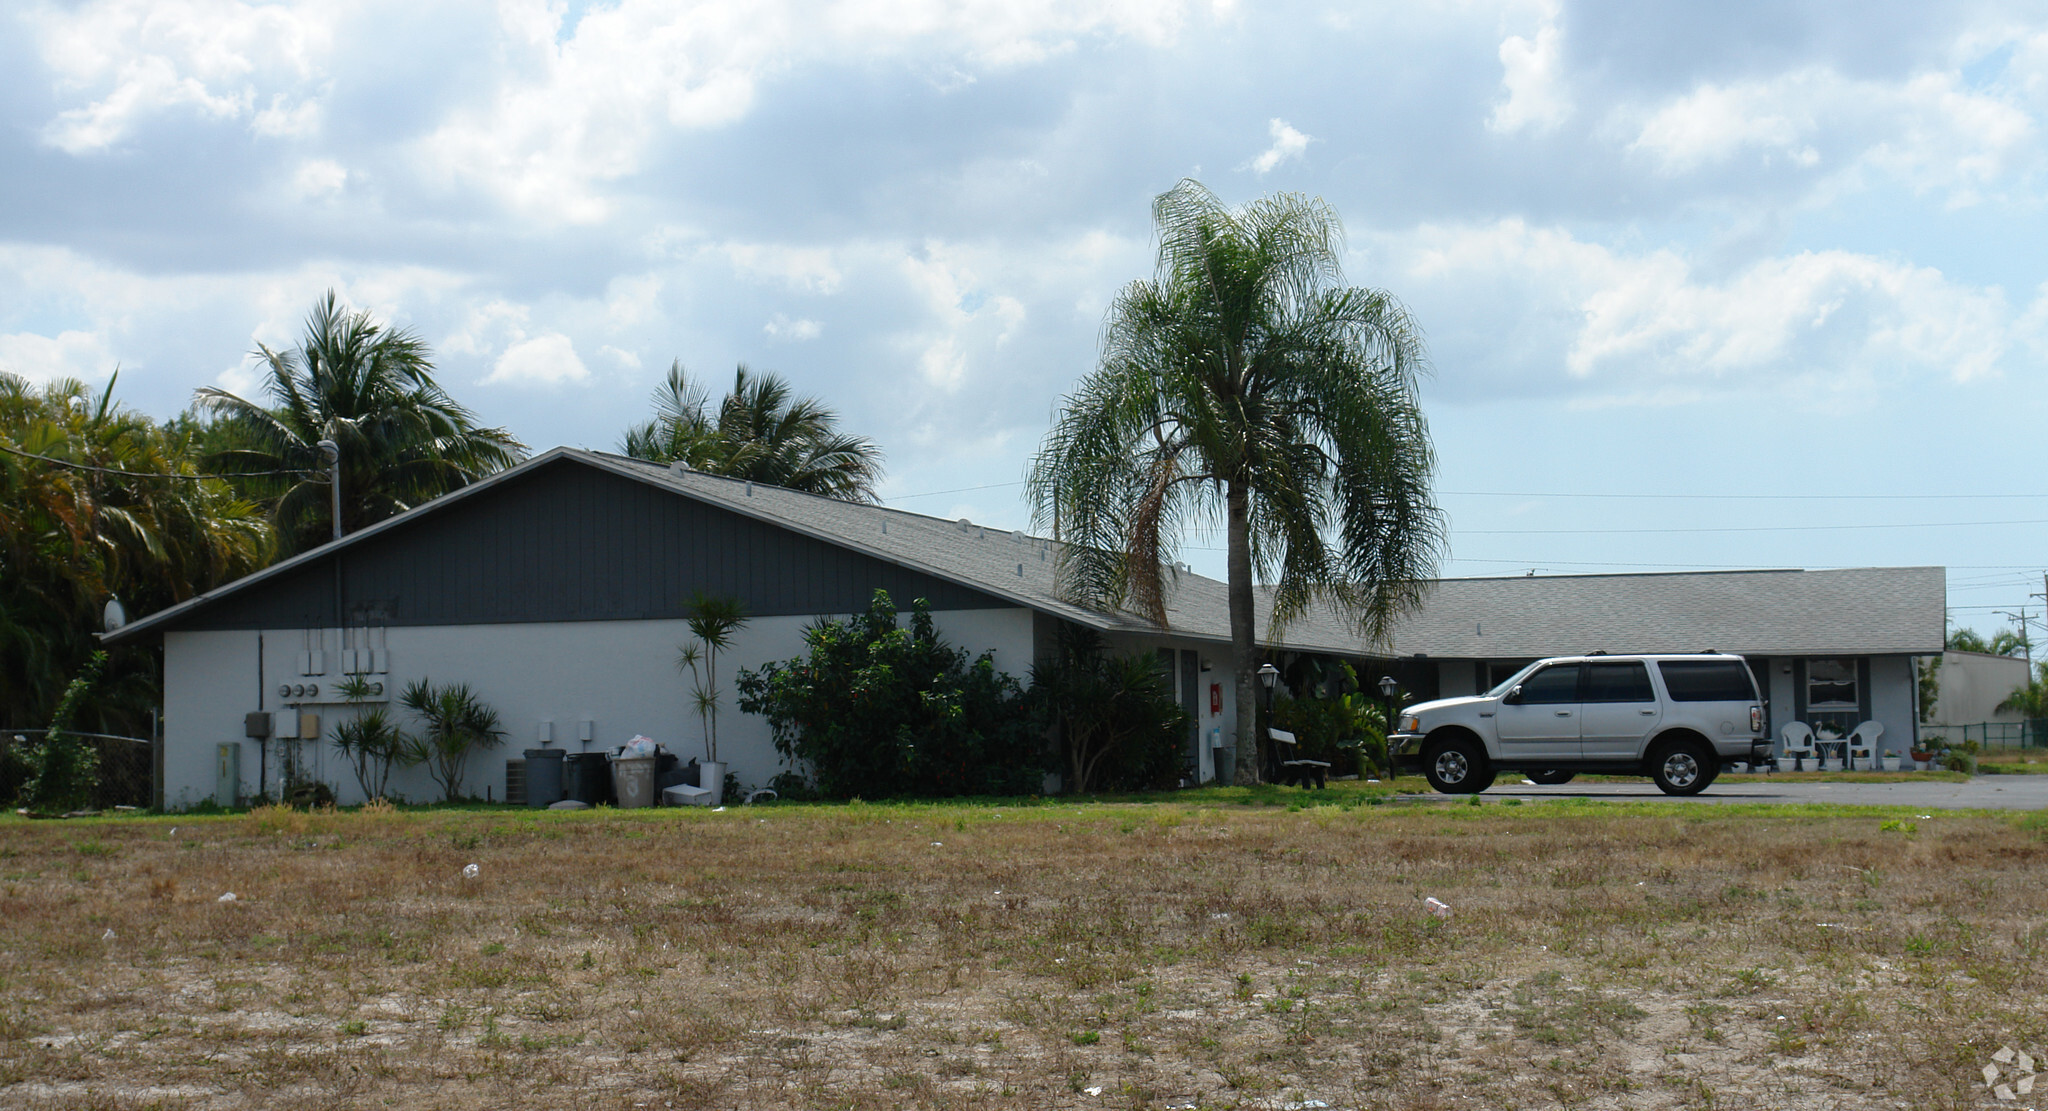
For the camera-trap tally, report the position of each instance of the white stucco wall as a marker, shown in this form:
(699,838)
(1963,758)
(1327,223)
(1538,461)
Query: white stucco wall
(1974,683)
(1219,727)
(1891,702)
(621,675)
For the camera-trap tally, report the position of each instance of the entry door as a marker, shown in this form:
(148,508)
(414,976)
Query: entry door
(1542,720)
(1618,710)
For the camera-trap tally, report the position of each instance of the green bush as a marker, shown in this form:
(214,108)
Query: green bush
(1347,730)
(62,770)
(457,722)
(878,711)
(1114,717)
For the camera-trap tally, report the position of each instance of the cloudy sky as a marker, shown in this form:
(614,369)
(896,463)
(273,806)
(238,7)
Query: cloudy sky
(1732,285)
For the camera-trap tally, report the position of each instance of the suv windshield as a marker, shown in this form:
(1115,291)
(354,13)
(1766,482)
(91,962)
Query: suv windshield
(1508,683)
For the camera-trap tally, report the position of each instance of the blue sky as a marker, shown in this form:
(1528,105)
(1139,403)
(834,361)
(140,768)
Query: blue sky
(1706,286)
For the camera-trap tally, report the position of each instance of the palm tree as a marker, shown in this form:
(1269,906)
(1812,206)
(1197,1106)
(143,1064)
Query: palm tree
(761,432)
(371,390)
(1246,383)
(97,500)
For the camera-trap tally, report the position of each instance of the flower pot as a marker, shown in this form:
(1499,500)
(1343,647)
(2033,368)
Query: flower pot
(1891,761)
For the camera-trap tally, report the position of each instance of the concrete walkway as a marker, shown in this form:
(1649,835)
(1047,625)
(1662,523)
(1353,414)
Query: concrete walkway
(1984,792)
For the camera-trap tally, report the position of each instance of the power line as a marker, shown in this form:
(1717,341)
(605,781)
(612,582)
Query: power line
(1581,494)
(142,474)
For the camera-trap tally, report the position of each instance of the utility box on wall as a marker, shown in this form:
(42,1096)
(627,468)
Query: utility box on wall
(227,775)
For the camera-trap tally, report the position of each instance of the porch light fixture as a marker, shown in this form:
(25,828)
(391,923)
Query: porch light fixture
(1388,686)
(1268,675)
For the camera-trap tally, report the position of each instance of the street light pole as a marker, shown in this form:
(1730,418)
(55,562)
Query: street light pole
(1388,688)
(331,452)
(1268,675)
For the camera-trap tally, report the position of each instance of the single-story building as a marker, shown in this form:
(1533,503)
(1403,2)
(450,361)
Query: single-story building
(556,590)
(1970,688)
(1832,649)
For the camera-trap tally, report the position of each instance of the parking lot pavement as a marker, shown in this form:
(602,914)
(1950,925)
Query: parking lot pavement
(1984,792)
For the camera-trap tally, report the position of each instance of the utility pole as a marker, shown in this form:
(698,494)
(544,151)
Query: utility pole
(2026,638)
(331,452)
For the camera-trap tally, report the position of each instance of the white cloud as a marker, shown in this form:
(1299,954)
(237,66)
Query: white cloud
(134,60)
(319,178)
(1288,145)
(803,269)
(1530,76)
(580,106)
(1928,131)
(628,359)
(796,331)
(549,359)
(71,354)
(1644,325)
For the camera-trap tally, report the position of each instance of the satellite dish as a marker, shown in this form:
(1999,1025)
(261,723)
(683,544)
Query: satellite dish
(114,616)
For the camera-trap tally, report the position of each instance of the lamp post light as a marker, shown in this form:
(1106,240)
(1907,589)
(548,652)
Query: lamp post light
(1268,675)
(1389,686)
(330,452)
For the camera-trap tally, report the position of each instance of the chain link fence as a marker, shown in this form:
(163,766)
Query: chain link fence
(2032,733)
(127,767)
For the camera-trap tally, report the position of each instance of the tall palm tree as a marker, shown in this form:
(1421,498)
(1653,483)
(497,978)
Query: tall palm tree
(760,431)
(370,389)
(1245,383)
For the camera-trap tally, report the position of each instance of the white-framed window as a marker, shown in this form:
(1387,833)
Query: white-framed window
(1831,685)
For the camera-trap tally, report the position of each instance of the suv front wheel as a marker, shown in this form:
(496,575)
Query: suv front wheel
(1683,768)
(1459,767)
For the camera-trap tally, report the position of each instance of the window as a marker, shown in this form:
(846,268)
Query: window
(1707,680)
(1618,682)
(1831,685)
(1553,686)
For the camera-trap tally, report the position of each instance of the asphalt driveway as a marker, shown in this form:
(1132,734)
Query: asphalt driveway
(1984,792)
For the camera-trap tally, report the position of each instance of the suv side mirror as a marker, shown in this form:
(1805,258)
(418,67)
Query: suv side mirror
(1514,697)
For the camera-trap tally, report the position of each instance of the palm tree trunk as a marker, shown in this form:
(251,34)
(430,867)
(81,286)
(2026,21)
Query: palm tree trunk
(1244,649)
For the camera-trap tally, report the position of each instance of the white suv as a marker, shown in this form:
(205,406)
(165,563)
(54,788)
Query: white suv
(1676,719)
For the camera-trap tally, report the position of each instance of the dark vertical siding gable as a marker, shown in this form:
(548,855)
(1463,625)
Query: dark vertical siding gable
(570,542)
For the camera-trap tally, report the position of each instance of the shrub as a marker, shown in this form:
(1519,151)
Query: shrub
(62,770)
(1114,717)
(457,721)
(372,743)
(1348,730)
(878,711)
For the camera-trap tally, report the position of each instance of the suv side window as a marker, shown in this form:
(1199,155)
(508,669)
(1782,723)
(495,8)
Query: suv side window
(1618,682)
(1707,680)
(1553,686)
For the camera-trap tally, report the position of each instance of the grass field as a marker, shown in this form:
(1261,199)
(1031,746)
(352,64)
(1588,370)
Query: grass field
(1208,952)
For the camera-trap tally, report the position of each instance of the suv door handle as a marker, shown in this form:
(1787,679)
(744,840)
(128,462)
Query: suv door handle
(1564,713)
(1647,713)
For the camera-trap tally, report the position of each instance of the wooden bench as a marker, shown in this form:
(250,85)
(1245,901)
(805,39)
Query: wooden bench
(1298,772)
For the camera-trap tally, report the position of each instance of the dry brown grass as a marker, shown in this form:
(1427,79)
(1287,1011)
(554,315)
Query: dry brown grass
(1168,955)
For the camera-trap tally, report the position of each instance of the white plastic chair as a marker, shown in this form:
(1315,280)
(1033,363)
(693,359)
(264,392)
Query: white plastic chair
(1798,743)
(1863,744)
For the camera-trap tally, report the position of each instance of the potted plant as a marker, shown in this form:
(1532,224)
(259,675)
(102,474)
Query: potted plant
(713,621)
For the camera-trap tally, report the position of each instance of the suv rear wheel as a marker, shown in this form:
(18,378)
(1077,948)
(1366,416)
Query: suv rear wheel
(1683,767)
(1459,767)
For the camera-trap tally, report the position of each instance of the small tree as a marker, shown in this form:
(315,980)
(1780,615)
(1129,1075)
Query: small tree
(457,722)
(63,770)
(713,621)
(372,743)
(1113,716)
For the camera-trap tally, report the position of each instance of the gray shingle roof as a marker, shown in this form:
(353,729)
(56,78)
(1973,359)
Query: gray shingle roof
(1862,611)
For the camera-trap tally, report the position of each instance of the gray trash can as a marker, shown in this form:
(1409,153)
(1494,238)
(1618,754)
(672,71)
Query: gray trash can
(543,777)
(1226,765)
(633,781)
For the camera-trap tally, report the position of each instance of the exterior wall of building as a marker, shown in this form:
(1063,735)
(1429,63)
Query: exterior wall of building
(1973,684)
(1215,727)
(619,675)
(1891,703)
